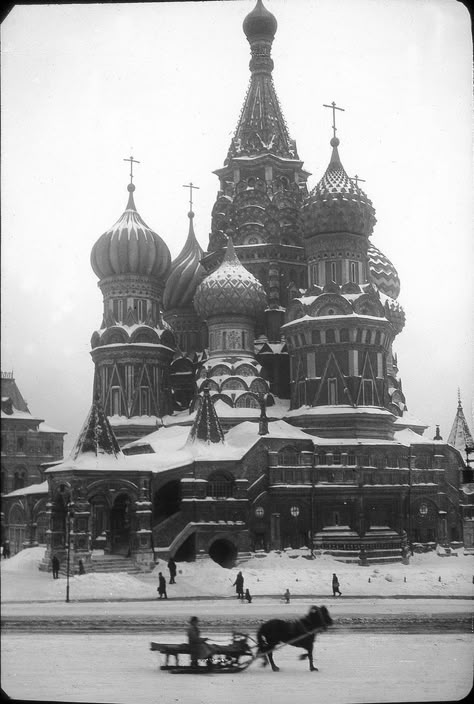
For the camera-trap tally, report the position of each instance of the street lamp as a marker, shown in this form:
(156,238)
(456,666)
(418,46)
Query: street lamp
(295,512)
(69,516)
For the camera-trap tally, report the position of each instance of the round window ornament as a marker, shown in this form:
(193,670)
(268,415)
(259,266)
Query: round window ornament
(259,512)
(295,511)
(423,509)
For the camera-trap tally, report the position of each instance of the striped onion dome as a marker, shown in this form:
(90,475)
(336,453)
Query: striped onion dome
(130,247)
(186,273)
(230,290)
(337,204)
(382,272)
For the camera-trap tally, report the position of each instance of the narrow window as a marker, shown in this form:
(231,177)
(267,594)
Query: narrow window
(332,392)
(144,401)
(115,405)
(368,392)
(311,371)
(354,272)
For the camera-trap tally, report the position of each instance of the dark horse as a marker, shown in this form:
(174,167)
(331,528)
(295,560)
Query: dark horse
(300,633)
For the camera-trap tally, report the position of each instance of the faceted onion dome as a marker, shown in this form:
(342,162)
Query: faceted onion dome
(337,204)
(382,272)
(230,290)
(130,247)
(186,273)
(260,24)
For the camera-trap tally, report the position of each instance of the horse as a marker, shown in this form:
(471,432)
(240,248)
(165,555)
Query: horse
(299,633)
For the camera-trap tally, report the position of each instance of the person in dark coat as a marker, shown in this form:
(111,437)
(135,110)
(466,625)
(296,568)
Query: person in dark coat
(335,585)
(82,569)
(248,596)
(239,586)
(287,596)
(55,566)
(197,645)
(172,569)
(6,549)
(162,586)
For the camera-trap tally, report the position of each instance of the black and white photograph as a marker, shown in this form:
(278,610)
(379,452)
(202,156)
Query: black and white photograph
(237,344)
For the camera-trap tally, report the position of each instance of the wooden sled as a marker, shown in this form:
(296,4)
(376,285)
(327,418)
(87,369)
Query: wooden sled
(224,658)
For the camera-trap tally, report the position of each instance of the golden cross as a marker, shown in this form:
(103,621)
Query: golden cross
(190,186)
(333,107)
(132,162)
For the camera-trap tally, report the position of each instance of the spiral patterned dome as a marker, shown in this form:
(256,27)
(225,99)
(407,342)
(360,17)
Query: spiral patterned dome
(260,23)
(230,290)
(382,272)
(186,273)
(337,204)
(130,247)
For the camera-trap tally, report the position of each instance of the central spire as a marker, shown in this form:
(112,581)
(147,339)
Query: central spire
(262,128)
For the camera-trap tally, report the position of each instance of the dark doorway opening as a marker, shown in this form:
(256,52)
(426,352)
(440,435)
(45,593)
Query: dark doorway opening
(187,550)
(166,501)
(120,525)
(223,552)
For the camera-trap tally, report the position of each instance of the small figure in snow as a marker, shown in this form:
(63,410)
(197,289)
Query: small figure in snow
(335,585)
(248,596)
(287,596)
(239,586)
(161,589)
(82,569)
(6,549)
(197,645)
(172,569)
(55,566)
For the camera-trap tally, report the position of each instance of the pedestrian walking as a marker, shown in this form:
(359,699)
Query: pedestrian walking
(335,585)
(248,596)
(172,570)
(161,589)
(6,549)
(55,566)
(287,596)
(239,586)
(82,569)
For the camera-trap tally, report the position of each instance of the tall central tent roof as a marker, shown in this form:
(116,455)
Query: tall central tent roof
(261,128)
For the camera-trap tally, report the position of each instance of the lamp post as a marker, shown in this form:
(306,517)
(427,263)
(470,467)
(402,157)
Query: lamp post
(295,512)
(69,516)
(311,514)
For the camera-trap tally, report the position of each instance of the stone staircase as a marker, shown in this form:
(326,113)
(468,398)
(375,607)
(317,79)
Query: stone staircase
(113,563)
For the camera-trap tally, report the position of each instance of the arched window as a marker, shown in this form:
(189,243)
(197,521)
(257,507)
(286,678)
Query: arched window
(19,480)
(288,456)
(344,335)
(220,485)
(316,337)
(20,444)
(330,336)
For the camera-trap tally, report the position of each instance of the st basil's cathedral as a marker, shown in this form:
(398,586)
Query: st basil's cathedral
(248,397)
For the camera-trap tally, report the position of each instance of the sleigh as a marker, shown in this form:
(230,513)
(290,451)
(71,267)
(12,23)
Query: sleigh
(231,657)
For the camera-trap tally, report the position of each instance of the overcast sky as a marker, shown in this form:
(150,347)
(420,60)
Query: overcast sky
(84,86)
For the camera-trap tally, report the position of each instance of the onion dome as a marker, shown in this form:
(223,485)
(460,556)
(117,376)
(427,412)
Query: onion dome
(230,290)
(186,273)
(260,24)
(337,204)
(382,272)
(130,247)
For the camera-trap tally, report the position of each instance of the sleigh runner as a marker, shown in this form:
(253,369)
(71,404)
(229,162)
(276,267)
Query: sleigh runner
(231,657)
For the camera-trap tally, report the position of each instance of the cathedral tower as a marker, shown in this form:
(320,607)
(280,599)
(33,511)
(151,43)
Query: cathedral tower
(340,332)
(132,349)
(262,185)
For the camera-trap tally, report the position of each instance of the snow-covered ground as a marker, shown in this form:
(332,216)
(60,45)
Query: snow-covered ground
(427,575)
(354,667)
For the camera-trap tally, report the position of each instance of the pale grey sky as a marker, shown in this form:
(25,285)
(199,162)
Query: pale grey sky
(83,86)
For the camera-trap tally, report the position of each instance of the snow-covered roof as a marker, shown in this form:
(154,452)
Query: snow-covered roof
(45,428)
(20,415)
(342,409)
(27,490)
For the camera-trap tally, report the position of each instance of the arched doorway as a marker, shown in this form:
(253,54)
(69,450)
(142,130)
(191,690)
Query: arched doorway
(223,552)
(187,550)
(120,525)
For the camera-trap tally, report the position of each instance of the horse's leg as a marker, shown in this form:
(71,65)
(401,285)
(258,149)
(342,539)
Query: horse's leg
(310,657)
(272,662)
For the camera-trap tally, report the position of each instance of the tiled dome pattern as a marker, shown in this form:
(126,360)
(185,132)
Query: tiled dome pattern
(337,204)
(382,272)
(231,289)
(130,247)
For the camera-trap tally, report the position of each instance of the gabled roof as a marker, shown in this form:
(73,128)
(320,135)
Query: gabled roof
(460,435)
(96,436)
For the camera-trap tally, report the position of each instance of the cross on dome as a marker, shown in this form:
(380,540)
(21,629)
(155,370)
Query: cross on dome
(333,107)
(132,162)
(190,185)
